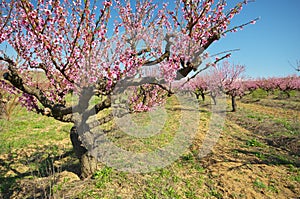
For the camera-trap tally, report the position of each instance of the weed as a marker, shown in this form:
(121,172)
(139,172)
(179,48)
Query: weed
(199,168)
(254,142)
(190,193)
(259,184)
(175,178)
(296,178)
(257,117)
(216,194)
(164,172)
(292,168)
(103,176)
(87,193)
(149,194)
(171,193)
(188,157)
(291,126)
(272,188)
(260,155)
(57,188)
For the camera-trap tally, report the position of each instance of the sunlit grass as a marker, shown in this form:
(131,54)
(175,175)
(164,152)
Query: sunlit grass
(28,128)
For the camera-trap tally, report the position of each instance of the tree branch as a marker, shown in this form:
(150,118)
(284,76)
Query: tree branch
(13,77)
(163,56)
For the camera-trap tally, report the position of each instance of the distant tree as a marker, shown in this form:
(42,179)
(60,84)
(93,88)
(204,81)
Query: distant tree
(227,78)
(268,84)
(250,86)
(199,86)
(284,84)
(287,84)
(297,66)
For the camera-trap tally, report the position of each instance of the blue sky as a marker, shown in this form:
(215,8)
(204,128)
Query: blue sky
(267,47)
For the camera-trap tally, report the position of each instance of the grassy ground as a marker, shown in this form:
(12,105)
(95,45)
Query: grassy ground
(256,156)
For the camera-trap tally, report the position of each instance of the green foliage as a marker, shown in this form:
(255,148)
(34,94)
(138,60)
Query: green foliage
(260,155)
(259,94)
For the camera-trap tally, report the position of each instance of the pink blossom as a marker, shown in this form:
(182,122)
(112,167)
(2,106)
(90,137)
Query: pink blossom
(47,12)
(73,51)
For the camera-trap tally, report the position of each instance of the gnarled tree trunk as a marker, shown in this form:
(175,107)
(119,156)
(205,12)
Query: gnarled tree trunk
(88,164)
(203,96)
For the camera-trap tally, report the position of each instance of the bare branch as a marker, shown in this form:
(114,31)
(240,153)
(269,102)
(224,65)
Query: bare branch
(241,26)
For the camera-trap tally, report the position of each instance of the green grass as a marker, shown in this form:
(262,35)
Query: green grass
(296,178)
(27,128)
(32,141)
(254,143)
(103,176)
(292,127)
(216,194)
(259,184)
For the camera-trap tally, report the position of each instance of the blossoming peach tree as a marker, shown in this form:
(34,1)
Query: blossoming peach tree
(89,47)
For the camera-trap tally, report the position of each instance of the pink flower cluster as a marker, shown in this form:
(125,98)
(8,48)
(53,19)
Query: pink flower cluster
(70,42)
(146,98)
(28,101)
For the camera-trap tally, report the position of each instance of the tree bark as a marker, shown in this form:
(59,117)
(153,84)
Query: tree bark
(233,103)
(197,96)
(214,99)
(88,164)
(288,94)
(203,96)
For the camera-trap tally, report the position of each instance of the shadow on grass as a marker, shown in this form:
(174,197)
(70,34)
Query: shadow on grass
(43,167)
(270,159)
(187,109)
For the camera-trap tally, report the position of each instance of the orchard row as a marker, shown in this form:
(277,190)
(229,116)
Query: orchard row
(222,79)
(229,79)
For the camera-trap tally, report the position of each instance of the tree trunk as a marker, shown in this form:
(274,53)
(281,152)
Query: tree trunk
(197,95)
(203,96)
(288,94)
(88,164)
(233,103)
(214,99)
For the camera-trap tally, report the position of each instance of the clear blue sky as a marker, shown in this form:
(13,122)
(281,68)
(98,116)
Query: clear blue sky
(267,47)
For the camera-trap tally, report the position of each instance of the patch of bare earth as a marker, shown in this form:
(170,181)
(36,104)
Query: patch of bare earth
(287,103)
(236,171)
(276,126)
